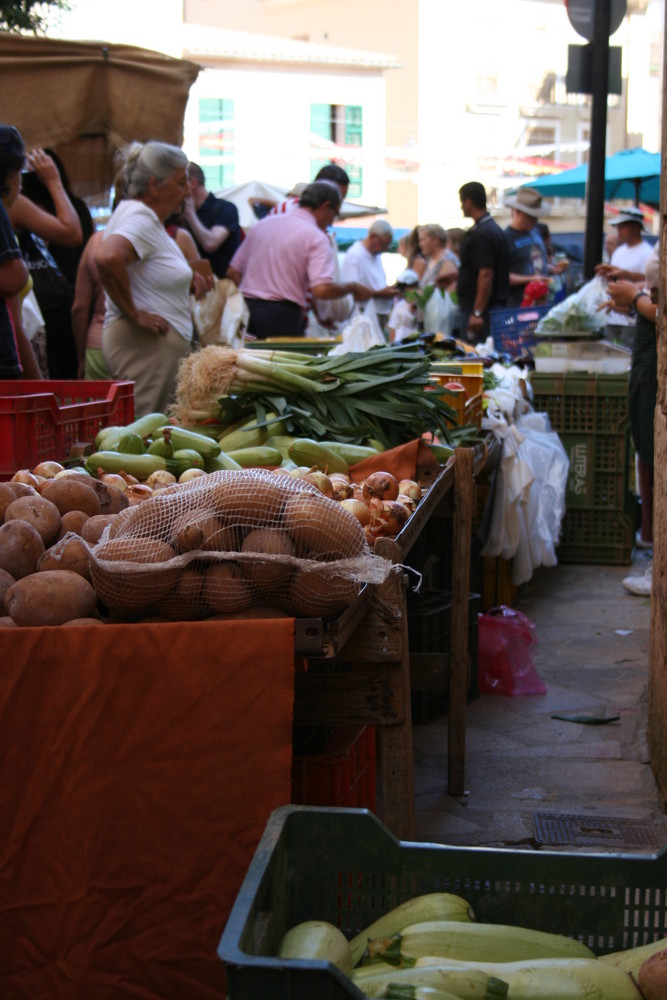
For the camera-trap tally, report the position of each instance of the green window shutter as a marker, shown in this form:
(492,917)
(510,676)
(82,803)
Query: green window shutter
(354,125)
(321,120)
(217,141)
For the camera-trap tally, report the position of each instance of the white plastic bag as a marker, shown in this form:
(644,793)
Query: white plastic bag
(577,314)
(334,310)
(221,317)
(439,313)
(361,333)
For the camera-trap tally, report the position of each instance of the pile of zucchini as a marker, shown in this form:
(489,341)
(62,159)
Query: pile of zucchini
(430,948)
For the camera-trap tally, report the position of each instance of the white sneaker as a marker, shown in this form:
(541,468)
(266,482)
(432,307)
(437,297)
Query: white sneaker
(639,585)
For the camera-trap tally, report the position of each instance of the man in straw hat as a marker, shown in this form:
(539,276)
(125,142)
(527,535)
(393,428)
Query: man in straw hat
(528,255)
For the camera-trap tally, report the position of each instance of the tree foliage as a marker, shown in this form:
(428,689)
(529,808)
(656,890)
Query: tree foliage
(27,15)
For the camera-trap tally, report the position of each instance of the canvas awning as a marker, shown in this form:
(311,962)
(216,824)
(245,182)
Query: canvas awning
(56,92)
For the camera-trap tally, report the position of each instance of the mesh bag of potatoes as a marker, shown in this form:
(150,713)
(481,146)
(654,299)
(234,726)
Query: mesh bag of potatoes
(230,541)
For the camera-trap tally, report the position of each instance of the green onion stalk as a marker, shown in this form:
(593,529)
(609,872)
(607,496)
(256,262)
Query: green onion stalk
(382,394)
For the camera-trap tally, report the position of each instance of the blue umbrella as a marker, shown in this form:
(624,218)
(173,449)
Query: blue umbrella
(630,174)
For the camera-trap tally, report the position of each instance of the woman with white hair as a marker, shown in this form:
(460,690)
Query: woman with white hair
(146,278)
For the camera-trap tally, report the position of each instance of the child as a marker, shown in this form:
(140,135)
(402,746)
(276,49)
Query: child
(404,317)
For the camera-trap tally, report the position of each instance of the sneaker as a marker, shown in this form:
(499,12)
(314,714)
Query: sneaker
(641,544)
(639,585)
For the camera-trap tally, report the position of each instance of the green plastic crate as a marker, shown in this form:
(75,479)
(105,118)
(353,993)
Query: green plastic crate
(590,414)
(343,865)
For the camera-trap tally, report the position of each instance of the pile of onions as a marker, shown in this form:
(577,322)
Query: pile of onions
(382,504)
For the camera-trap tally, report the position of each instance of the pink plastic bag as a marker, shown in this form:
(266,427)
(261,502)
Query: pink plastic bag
(507,640)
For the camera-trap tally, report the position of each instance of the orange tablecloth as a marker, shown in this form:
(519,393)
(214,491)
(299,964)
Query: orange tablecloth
(138,767)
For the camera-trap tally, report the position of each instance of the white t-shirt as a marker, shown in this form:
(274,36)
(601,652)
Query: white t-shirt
(160,280)
(366,269)
(630,259)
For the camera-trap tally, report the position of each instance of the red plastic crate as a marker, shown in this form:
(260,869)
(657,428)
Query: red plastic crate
(40,421)
(342,776)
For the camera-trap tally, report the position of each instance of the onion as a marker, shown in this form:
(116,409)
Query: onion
(339,475)
(389,519)
(382,485)
(112,479)
(189,474)
(409,488)
(358,492)
(342,490)
(358,509)
(48,469)
(69,473)
(652,976)
(407,502)
(26,477)
(321,482)
(129,479)
(137,493)
(160,478)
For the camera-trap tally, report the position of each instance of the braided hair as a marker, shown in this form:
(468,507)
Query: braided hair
(12,155)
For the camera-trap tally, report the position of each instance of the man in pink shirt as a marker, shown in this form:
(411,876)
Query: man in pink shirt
(284,258)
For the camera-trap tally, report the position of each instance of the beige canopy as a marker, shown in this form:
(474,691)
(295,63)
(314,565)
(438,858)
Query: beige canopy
(91,96)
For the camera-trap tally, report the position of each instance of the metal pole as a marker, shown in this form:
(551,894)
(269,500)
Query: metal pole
(595,186)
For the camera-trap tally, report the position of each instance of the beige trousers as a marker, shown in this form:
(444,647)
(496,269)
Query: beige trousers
(150,361)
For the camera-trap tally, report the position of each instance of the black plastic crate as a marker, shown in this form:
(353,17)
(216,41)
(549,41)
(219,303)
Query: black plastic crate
(345,867)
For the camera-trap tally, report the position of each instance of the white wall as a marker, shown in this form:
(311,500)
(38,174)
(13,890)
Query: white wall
(272,116)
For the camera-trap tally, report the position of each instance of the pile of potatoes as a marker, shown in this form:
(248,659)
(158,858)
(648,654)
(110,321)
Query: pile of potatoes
(45,576)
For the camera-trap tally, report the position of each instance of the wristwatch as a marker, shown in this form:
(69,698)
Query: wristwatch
(478,313)
(640,295)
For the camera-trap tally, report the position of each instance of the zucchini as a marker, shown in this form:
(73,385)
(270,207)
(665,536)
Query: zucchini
(442,452)
(305,451)
(429,906)
(262,455)
(465,983)
(247,435)
(546,978)
(183,438)
(630,959)
(131,444)
(220,463)
(473,942)
(317,939)
(188,458)
(282,442)
(147,425)
(140,466)
(107,437)
(351,453)
(162,444)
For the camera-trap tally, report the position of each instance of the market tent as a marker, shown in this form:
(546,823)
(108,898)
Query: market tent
(58,92)
(630,174)
(242,195)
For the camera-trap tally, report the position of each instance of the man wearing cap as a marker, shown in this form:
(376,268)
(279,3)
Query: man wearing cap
(528,258)
(628,261)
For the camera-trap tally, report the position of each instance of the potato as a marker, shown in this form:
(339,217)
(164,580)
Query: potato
(7,622)
(68,553)
(117,501)
(73,520)
(92,530)
(21,546)
(41,513)
(7,496)
(184,601)
(50,598)
(22,489)
(131,590)
(71,494)
(6,580)
(83,621)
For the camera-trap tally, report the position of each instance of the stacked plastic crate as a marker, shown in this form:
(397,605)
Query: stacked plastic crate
(590,414)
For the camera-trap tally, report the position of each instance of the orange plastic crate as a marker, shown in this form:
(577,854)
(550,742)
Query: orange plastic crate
(40,421)
(342,776)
